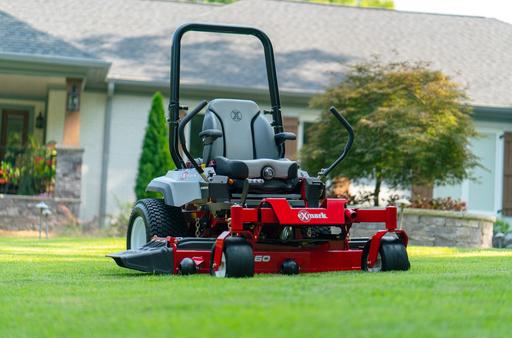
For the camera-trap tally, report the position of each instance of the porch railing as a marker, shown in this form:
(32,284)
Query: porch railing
(27,170)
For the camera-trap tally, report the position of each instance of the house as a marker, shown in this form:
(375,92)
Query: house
(88,69)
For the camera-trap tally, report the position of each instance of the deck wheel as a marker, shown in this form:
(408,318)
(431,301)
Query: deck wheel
(392,256)
(237,259)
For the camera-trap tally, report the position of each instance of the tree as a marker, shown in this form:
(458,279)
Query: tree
(155,159)
(411,125)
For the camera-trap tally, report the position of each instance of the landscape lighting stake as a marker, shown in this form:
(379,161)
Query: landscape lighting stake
(46,213)
(43,211)
(402,203)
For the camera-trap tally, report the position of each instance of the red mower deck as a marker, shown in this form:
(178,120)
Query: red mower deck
(269,257)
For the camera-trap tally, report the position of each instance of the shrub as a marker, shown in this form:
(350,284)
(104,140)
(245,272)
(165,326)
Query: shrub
(118,223)
(155,159)
(446,203)
(361,198)
(28,170)
(502,226)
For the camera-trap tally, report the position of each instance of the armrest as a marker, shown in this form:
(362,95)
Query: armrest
(284,136)
(208,136)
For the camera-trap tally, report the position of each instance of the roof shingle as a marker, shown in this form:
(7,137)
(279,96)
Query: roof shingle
(312,42)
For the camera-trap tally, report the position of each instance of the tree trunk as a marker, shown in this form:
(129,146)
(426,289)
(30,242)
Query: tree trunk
(422,191)
(376,192)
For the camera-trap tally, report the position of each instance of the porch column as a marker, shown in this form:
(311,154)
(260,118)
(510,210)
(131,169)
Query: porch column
(291,124)
(71,136)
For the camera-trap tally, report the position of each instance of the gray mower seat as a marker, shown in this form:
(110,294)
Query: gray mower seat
(248,143)
(283,169)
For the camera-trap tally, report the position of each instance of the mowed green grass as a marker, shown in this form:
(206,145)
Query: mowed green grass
(65,287)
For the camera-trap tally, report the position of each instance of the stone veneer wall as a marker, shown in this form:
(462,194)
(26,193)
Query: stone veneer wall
(439,228)
(68,178)
(19,212)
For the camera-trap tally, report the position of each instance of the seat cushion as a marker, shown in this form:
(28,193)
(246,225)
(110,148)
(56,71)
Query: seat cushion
(247,134)
(242,169)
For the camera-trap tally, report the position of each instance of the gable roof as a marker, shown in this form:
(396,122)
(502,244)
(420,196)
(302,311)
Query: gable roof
(312,42)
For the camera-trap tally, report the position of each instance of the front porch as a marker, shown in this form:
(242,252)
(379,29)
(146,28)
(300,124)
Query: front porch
(40,151)
(59,187)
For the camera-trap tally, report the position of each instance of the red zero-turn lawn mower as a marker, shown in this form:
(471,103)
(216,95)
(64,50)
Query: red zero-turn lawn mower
(244,208)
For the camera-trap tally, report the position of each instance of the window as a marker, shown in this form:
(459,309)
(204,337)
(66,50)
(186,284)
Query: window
(14,131)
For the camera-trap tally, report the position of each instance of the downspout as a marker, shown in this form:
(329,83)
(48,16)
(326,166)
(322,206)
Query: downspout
(106,154)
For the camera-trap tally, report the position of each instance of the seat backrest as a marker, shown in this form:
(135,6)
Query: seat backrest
(247,134)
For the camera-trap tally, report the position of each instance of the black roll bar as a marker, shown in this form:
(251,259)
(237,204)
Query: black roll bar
(325,171)
(174,105)
(181,132)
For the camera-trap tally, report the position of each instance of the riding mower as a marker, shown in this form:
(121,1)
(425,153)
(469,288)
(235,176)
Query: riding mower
(244,208)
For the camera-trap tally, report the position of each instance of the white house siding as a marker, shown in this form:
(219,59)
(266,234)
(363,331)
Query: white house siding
(484,193)
(92,117)
(482,190)
(56,114)
(129,118)
(128,124)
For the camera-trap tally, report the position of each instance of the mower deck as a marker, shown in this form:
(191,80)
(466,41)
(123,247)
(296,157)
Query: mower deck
(167,255)
(164,255)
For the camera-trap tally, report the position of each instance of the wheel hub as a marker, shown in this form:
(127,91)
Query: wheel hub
(138,236)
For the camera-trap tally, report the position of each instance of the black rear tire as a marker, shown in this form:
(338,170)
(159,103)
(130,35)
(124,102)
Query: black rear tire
(159,219)
(392,257)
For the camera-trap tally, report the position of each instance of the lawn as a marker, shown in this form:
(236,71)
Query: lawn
(65,287)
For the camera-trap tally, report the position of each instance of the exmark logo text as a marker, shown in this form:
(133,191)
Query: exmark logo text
(306,216)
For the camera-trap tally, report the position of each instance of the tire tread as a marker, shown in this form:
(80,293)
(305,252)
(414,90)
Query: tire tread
(163,220)
(393,254)
(239,258)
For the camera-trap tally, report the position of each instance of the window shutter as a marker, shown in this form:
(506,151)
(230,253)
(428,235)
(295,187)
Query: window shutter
(291,124)
(507,176)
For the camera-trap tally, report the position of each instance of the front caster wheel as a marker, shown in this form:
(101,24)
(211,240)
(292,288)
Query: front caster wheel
(392,256)
(237,259)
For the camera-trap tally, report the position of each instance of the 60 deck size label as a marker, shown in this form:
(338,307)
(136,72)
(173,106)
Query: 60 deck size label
(262,258)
